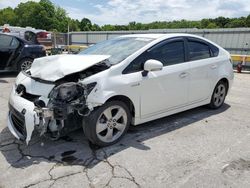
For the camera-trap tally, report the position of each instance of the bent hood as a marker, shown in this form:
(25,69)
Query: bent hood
(52,68)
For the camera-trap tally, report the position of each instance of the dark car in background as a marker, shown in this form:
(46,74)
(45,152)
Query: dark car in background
(38,37)
(17,54)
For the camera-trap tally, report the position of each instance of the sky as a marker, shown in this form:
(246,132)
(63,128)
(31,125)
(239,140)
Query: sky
(145,11)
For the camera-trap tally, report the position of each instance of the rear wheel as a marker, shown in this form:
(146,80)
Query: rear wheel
(219,95)
(107,124)
(24,64)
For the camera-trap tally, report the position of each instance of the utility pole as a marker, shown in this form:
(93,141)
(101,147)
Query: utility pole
(68,36)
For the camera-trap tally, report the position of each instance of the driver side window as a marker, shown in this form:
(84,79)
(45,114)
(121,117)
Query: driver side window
(169,54)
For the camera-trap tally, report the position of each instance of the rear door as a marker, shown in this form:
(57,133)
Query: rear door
(8,46)
(201,60)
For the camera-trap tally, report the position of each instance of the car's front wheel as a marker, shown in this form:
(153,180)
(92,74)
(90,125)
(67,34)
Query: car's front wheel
(107,124)
(219,95)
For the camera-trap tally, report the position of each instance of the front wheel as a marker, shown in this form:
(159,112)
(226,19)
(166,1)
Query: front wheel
(219,95)
(107,124)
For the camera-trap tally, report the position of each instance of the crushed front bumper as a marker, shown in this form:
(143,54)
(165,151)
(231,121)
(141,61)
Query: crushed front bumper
(22,118)
(30,108)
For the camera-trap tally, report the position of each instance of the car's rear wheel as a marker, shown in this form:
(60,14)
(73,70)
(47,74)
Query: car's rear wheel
(107,124)
(219,95)
(24,64)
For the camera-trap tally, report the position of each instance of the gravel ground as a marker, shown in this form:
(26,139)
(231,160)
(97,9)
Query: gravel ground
(196,148)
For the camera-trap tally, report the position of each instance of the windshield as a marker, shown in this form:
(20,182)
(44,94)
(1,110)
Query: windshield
(118,48)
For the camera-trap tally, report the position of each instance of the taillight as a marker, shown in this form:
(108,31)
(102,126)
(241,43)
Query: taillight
(43,35)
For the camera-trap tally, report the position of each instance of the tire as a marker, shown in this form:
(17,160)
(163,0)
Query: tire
(103,128)
(219,95)
(24,64)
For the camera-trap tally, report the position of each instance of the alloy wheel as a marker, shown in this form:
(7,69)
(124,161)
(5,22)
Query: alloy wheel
(26,65)
(111,123)
(219,95)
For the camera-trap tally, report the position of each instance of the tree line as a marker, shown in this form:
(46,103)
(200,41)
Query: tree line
(45,15)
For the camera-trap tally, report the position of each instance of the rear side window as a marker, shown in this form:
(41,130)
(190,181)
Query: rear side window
(215,50)
(31,37)
(198,50)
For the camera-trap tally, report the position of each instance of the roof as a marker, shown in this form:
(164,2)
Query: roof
(169,35)
(153,36)
(156,36)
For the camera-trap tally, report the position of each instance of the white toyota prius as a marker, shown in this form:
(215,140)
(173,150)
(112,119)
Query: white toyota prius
(128,80)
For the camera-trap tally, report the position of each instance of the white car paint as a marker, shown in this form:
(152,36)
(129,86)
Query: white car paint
(19,103)
(52,68)
(173,89)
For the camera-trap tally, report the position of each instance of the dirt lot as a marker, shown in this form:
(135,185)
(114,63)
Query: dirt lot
(196,148)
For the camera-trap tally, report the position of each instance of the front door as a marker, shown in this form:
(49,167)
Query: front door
(8,47)
(166,89)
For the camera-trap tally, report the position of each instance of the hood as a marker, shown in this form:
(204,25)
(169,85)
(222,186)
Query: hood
(52,68)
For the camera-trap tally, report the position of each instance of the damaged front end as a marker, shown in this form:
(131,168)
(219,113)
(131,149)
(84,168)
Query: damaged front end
(54,116)
(51,107)
(67,102)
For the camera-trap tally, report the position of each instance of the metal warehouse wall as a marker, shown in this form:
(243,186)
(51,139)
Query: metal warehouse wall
(236,41)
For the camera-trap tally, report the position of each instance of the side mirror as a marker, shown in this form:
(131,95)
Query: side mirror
(151,65)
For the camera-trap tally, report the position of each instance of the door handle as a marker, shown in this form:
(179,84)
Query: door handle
(213,66)
(183,75)
(135,84)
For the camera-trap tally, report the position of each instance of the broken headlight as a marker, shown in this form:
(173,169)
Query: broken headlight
(68,97)
(67,92)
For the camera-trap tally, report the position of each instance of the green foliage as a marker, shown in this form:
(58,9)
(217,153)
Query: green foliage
(96,27)
(211,25)
(248,21)
(45,15)
(7,15)
(74,25)
(85,25)
(61,20)
(237,22)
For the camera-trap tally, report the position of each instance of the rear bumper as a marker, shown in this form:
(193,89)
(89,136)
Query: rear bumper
(22,118)
(230,80)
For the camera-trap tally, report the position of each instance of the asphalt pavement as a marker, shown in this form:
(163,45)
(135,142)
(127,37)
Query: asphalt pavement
(196,148)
